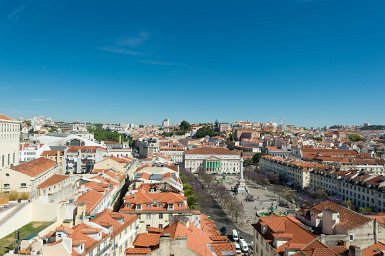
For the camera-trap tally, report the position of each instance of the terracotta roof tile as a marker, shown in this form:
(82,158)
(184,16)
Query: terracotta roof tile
(3,117)
(348,218)
(211,151)
(374,250)
(35,167)
(137,251)
(54,179)
(91,199)
(147,240)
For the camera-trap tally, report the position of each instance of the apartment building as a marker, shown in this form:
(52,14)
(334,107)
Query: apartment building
(30,152)
(363,189)
(156,209)
(213,160)
(173,150)
(26,177)
(294,172)
(148,147)
(81,159)
(9,141)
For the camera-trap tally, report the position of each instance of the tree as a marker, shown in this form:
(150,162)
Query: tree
(216,126)
(256,158)
(206,131)
(348,204)
(236,209)
(185,126)
(355,137)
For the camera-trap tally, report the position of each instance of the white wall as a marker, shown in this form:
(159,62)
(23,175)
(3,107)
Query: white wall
(33,211)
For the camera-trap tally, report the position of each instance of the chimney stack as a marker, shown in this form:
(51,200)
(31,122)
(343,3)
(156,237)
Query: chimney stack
(355,251)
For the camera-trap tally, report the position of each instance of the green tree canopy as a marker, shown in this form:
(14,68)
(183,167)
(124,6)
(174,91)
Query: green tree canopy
(185,126)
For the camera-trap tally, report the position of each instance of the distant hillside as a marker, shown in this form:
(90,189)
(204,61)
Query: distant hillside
(373,127)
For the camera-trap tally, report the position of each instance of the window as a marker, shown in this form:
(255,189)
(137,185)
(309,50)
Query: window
(160,215)
(160,225)
(138,206)
(6,185)
(170,206)
(23,185)
(351,237)
(180,205)
(148,216)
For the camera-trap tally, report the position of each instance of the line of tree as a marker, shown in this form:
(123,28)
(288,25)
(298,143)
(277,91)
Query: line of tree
(183,128)
(355,137)
(226,200)
(373,127)
(254,160)
(206,130)
(107,135)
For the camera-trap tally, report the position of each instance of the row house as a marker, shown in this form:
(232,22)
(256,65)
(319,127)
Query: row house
(363,189)
(295,172)
(155,209)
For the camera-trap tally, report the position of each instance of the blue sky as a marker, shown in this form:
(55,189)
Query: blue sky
(312,62)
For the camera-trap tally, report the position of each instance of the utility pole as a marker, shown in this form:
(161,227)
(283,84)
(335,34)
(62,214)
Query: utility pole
(17,246)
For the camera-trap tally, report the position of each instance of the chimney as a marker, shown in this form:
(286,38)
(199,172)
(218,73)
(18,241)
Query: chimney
(355,251)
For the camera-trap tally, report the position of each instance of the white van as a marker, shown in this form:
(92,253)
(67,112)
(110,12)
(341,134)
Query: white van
(244,246)
(237,248)
(235,235)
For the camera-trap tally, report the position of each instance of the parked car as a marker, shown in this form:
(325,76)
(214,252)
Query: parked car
(243,244)
(235,235)
(237,248)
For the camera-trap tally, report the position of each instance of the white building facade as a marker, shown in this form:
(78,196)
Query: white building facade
(213,160)
(9,141)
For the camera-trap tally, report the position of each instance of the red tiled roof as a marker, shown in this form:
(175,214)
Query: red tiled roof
(111,219)
(3,117)
(136,251)
(35,167)
(374,250)
(211,151)
(54,179)
(147,240)
(91,199)
(85,149)
(283,225)
(52,153)
(222,249)
(348,218)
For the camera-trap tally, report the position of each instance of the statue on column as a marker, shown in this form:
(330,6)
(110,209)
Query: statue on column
(242,183)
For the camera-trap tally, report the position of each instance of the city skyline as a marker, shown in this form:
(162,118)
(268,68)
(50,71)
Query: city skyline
(311,62)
